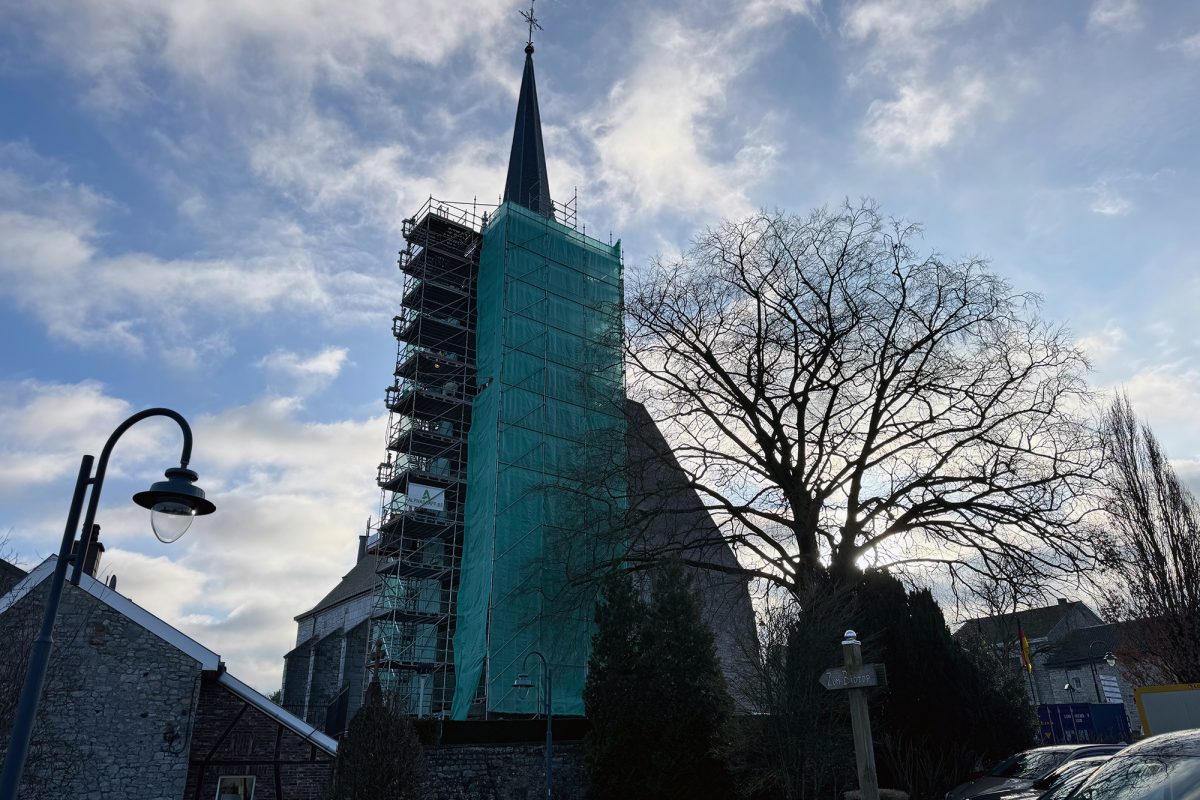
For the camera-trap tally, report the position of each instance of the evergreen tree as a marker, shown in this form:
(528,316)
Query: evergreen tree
(380,757)
(946,705)
(656,696)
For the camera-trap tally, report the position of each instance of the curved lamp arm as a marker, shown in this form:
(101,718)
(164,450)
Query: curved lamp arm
(97,480)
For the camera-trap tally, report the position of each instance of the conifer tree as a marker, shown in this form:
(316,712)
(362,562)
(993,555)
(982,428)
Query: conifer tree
(656,696)
(380,757)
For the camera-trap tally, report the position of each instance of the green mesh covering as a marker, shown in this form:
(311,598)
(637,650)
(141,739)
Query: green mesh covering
(550,402)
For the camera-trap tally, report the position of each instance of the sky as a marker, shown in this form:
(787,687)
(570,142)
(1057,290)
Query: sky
(201,204)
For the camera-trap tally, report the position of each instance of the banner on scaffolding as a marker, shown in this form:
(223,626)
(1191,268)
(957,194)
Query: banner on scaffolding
(426,498)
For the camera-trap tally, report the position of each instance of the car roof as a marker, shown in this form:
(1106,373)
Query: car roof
(1179,744)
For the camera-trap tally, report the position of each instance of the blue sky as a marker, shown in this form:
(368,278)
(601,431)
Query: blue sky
(200,207)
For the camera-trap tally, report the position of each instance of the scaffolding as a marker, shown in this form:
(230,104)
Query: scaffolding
(418,538)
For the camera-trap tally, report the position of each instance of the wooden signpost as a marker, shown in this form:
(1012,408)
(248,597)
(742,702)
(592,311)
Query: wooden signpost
(856,677)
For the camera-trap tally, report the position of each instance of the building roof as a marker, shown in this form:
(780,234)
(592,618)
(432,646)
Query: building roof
(208,659)
(1035,622)
(10,575)
(358,581)
(528,184)
(1084,645)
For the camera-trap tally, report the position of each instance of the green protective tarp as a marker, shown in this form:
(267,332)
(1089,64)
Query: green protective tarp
(548,411)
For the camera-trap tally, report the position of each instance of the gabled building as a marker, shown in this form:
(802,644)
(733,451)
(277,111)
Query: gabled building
(326,668)
(1068,643)
(135,708)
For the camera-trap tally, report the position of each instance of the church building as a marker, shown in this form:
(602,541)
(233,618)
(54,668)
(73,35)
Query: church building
(513,458)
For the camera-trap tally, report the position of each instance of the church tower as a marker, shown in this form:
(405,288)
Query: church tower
(509,368)
(512,456)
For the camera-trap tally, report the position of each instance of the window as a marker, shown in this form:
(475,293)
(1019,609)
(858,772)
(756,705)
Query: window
(235,787)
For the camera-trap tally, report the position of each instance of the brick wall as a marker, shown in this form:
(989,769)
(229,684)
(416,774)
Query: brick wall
(233,738)
(502,772)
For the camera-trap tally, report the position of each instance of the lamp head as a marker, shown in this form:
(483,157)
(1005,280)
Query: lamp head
(173,503)
(523,684)
(1110,659)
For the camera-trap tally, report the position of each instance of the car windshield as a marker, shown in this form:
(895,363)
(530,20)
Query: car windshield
(1145,778)
(1029,765)
(1066,787)
(1063,772)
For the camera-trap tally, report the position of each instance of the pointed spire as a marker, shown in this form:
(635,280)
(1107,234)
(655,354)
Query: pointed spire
(527,183)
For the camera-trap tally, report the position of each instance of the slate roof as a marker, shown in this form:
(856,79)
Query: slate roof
(10,575)
(1073,648)
(358,581)
(207,659)
(1035,622)
(528,184)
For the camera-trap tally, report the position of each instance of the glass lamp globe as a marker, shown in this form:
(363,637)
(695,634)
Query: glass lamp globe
(1110,659)
(171,519)
(524,685)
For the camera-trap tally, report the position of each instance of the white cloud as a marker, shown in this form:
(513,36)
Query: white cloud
(291,495)
(927,92)
(1189,46)
(904,29)
(1102,345)
(53,264)
(653,133)
(45,428)
(1107,201)
(259,49)
(307,373)
(1121,16)
(923,118)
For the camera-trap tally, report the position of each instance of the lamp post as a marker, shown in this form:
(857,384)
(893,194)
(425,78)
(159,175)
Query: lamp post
(1109,659)
(525,684)
(1069,688)
(172,503)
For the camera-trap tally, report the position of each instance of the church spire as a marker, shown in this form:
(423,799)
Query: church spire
(527,183)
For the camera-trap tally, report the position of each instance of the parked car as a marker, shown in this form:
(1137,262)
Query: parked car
(1164,767)
(1060,782)
(1019,771)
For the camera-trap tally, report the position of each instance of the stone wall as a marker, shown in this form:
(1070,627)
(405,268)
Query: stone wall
(116,717)
(233,738)
(502,772)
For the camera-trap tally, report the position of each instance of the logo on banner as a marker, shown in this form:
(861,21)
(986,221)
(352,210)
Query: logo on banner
(426,498)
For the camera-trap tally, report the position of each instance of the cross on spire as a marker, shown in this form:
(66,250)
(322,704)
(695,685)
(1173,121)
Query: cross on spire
(533,25)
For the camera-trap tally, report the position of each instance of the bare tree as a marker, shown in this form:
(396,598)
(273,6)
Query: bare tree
(837,399)
(1154,553)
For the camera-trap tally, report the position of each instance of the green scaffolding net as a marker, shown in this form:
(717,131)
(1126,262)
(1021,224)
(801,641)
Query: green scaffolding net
(545,446)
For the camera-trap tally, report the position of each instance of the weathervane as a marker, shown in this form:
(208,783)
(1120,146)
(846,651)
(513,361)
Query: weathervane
(533,24)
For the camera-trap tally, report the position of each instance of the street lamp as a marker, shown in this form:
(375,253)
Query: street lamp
(172,503)
(524,684)
(1109,659)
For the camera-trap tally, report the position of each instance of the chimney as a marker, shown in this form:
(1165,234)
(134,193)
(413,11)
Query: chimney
(362,547)
(95,549)
(1062,601)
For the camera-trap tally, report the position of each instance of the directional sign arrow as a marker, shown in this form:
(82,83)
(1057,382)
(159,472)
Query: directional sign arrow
(851,678)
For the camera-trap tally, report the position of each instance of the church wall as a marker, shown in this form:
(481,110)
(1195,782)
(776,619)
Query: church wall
(345,615)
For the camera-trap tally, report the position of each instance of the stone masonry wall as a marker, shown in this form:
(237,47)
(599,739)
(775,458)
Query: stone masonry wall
(117,715)
(502,772)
